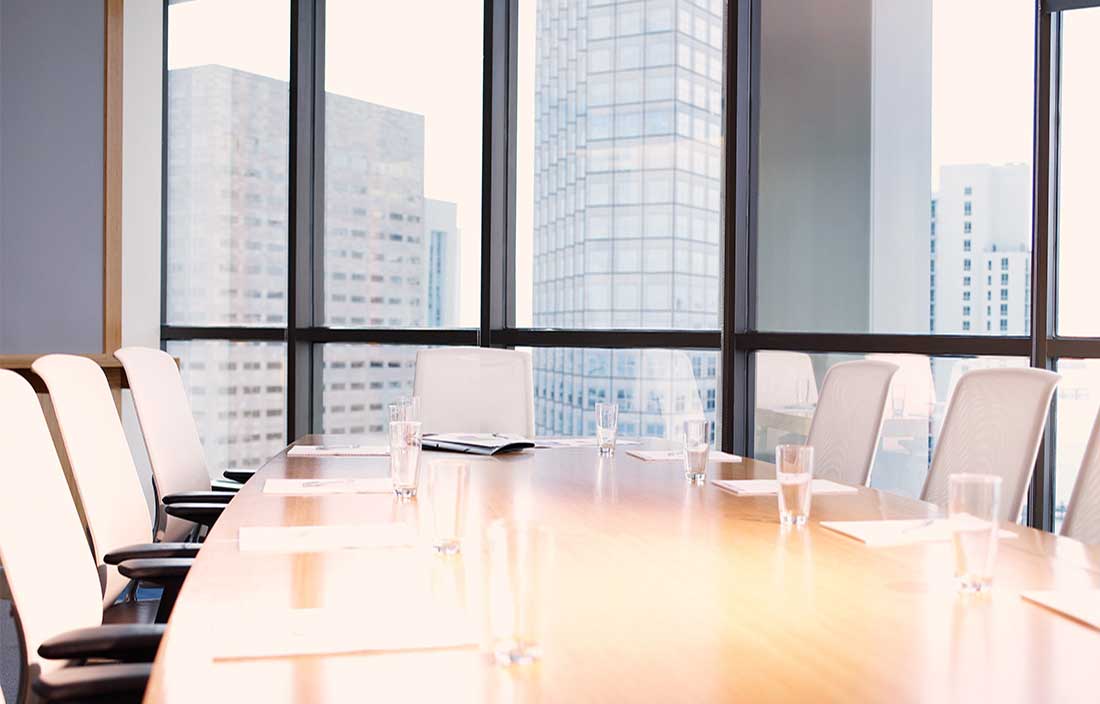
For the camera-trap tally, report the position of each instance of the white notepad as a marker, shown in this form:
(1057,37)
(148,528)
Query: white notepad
(770,487)
(337,630)
(899,532)
(1079,604)
(678,456)
(321,487)
(574,442)
(297,539)
(338,451)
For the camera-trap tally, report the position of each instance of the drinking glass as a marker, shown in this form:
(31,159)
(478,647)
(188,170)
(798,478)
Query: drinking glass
(405,457)
(447,492)
(794,469)
(696,448)
(972,504)
(607,426)
(520,554)
(405,408)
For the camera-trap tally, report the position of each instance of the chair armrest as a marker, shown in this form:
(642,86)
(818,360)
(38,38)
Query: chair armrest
(114,683)
(131,642)
(168,572)
(239,475)
(203,514)
(148,550)
(197,497)
(158,570)
(225,485)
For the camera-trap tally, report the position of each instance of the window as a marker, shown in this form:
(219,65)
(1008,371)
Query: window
(1004,263)
(656,389)
(966,265)
(966,310)
(966,281)
(786,393)
(237,394)
(966,295)
(1004,279)
(1078,207)
(403,158)
(613,230)
(885,156)
(1004,325)
(353,373)
(1004,309)
(966,245)
(226,190)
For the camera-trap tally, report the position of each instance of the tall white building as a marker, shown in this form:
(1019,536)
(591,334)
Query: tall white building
(627,211)
(390,254)
(980,251)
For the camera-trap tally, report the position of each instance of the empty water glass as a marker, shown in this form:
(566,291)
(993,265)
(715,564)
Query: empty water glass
(405,457)
(696,448)
(520,556)
(405,408)
(973,501)
(607,426)
(447,492)
(794,469)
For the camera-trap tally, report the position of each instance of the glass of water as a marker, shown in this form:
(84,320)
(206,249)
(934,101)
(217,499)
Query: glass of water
(519,565)
(794,469)
(447,492)
(405,408)
(405,457)
(972,504)
(696,448)
(607,426)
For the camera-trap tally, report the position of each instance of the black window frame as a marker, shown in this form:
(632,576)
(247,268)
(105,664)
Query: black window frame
(739,336)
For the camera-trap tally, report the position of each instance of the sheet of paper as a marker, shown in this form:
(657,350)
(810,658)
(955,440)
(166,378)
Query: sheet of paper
(678,456)
(321,487)
(901,532)
(770,487)
(574,442)
(297,539)
(358,629)
(1079,604)
(338,451)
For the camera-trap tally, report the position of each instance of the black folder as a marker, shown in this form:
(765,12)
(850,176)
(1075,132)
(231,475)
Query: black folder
(476,443)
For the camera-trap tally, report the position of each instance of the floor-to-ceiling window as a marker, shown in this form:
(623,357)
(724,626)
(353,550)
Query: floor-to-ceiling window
(686,206)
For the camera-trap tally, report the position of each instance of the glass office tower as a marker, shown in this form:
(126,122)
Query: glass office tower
(627,205)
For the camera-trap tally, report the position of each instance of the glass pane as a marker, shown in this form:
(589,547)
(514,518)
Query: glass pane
(1078,207)
(403,111)
(358,382)
(227,162)
(1075,412)
(787,384)
(618,176)
(894,166)
(238,397)
(656,389)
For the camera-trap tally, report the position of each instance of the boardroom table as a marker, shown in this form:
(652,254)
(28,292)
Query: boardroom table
(661,591)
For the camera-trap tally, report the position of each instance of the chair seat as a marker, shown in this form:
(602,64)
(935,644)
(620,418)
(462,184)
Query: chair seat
(144,611)
(114,683)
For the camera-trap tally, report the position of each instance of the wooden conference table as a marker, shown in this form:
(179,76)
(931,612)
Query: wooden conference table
(662,591)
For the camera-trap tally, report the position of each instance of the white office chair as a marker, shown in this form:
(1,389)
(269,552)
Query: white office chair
(53,580)
(1082,521)
(175,451)
(475,390)
(103,468)
(784,379)
(993,425)
(847,422)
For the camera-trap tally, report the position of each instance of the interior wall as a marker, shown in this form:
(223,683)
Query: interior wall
(51,176)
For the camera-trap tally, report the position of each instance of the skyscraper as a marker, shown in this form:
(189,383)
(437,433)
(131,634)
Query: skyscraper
(980,250)
(628,122)
(390,254)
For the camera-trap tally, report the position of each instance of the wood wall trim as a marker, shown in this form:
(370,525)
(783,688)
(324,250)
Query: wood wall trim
(112,176)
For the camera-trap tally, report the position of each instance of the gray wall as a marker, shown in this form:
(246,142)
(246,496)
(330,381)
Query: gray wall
(51,176)
(814,165)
